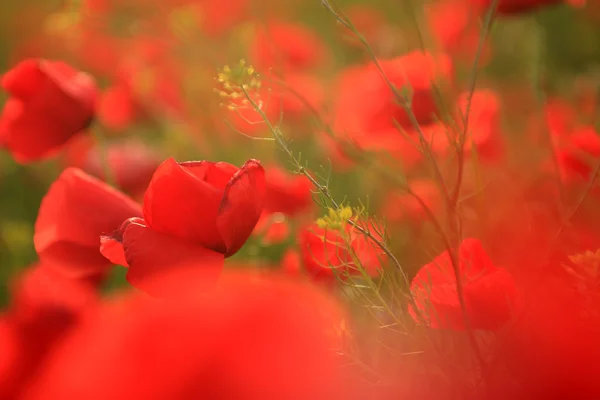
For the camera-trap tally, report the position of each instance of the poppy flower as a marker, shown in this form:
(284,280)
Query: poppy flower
(274,228)
(483,131)
(291,264)
(193,211)
(49,103)
(454,25)
(575,152)
(118,107)
(552,348)
(489,292)
(216,17)
(75,212)
(325,254)
(131,163)
(145,81)
(287,47)
(251,338)
(373,125)
(45,306)
(287,193)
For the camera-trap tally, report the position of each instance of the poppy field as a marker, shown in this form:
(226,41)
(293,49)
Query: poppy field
(300,199)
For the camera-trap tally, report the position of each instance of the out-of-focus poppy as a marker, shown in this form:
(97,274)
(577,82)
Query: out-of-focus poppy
(490,294)
(193,211)
(131,163)
(118,107)
(483,131)
(576,151)
(454,25)
(251,338)
(291,264)
(375,125)
(50,102)
(286,193)
(45,306)
(273,227)
(326,254)
(75,212)
(552,349)
(286,47)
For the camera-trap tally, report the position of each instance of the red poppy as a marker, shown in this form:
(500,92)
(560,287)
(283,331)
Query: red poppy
(253,338)
(483,131)
(50,102)
(560,116)
(131,163)
(75,212)
(454,24)
(44,308)
(287,193)
(118,107)
(576,152)
(489,292)
(217,17)
(374,124)
(286,47)
(274,228)
(291,263)
(144,81)
(325,254)
(193,211)
(552,349)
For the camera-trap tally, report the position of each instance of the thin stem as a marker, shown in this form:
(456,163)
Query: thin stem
(452,250)
(485,30)
(325,192)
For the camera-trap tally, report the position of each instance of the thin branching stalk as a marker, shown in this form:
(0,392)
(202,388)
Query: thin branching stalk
(324,190)
(485,30)
(454,225)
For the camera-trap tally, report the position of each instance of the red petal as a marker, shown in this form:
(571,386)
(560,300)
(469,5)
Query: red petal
(111,246)
(489,292)
(180,204)
(322,251)
(241,206)
(51,109)
(76,84)
(75,212)
(474,261)
(216,174)
(492,300)
(163,266)
(113,250)
(116,107)
(250,339)
(23,80)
